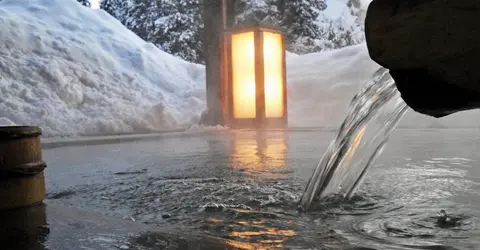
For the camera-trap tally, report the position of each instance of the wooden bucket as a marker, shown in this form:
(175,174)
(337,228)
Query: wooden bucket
(22,182)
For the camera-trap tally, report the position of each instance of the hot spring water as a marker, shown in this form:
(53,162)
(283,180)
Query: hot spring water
(374,113)
(245,186)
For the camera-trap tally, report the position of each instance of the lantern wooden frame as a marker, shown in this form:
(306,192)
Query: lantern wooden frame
(260,120)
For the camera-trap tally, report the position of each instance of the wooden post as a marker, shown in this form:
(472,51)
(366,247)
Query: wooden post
(217,16)
(212,19)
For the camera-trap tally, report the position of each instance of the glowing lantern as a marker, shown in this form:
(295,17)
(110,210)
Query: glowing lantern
(254,91)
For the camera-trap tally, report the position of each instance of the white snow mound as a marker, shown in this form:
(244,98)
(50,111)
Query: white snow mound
(322,85)
(77,71)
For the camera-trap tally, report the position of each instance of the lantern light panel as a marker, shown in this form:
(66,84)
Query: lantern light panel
(256,82)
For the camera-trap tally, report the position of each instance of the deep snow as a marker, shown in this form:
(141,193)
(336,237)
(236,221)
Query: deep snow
(77,71)
(95,4)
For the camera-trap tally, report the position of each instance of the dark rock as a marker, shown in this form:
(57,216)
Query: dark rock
(166,216)
(432,48)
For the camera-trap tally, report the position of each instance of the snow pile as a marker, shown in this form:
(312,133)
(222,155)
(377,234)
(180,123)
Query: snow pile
(77,71)
(321,86)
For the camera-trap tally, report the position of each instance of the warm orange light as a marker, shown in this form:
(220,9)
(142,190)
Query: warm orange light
(254,90)
(268,237)
(243,75)
(273,68)
(262,155)
(269,231)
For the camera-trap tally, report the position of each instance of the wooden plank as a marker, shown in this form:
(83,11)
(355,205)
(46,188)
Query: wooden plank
(259,79)
(285,97)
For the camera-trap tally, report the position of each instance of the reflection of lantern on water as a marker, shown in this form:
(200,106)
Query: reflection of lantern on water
(259,151)
(256,234)
(264,236)
(282,236)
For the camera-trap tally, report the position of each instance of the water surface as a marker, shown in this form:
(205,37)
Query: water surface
(244,186)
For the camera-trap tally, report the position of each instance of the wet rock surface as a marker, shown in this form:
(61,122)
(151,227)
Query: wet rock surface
(432,49)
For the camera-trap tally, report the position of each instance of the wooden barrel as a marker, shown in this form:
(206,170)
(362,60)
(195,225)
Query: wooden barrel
(22,181)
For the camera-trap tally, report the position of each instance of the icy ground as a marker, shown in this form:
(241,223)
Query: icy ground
(76,71)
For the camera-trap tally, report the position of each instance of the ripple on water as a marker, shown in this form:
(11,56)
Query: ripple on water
(405,215)
(375,222)
(395,209)
(243,211)
(416,229)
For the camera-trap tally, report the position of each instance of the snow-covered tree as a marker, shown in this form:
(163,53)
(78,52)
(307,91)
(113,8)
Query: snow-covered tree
(172,25)
(116,8)
(248,12)
(85,3)
(110,6)
(175,26)
(178,29)
(141,16)
(358,10)
(346,30)
(299,18)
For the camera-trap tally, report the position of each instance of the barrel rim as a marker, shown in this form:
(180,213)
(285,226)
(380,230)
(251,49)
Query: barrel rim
(30,168)
(17,132)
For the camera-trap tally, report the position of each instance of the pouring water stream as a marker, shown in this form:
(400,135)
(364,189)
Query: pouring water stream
(358,142)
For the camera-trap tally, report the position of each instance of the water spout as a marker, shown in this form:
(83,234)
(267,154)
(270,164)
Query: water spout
(374,113)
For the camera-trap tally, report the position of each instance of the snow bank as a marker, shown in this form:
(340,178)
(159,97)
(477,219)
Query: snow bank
(77,71)
(321,86)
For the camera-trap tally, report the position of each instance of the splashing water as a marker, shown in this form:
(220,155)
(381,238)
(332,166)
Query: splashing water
(374,112)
